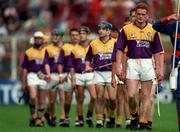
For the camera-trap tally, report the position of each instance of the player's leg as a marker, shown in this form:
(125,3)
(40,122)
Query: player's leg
(91,106)
(132,90)
(67,106)
(147,75)
(62,111)
(40,107)
(68,92)
(120,105)
(126,106)
(52,103)
(112,103)
(32,104)
(150,111)
(80,99)
(99,105)
(106,114)
(146,87)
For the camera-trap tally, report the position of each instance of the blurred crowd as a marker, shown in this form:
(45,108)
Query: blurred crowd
(26,16)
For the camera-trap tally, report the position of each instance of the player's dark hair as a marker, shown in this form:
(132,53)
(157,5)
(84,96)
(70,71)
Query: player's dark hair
(142,5)
(73,30)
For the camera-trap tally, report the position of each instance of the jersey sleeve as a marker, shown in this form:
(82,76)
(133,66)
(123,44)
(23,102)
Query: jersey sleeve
(89,54)
(71,61)
(122,41)
(61,57)
(25,62)
(157,45)
(46,58)
(113,58)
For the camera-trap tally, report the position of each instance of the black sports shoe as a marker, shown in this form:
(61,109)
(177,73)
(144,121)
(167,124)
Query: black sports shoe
(127,126)
(52,122)
(149,126)
(47,117)
(118,125)
(89,122)
(134,123)
(62,123)
(142,126)
(112,122)
(67,122)
(79,123)
(99,125)
(32,122)
(108,124)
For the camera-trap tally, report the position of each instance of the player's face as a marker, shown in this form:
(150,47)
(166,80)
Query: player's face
(38,40)
(74,35)
(55,38)
(83,36)
(103,32)
(133,16)
(114,34)
(141,15)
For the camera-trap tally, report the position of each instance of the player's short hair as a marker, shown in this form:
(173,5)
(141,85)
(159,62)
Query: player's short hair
(104,24)
(85,29)
(131,11)
(114,28)
(142,5)
(73,30)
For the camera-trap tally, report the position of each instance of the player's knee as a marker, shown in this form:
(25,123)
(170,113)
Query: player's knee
(100,98)
(112,97)
(112,104)
(93,99)
(131,95)
(62,100)
(80,100)
(144,96)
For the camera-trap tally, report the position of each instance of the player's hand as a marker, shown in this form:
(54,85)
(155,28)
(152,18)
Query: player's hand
(113,82)
(62,79)
(48,78)
(159,75)
(120,73)
(173,17)
(88,69)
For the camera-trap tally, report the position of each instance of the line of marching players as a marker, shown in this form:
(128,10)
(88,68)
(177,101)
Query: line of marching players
(120,70)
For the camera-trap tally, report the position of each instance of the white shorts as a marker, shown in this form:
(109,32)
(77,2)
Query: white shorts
(33,80)
(84,79)
(140,69)
(102,77)
(66,86)
(54,82)
(119,82)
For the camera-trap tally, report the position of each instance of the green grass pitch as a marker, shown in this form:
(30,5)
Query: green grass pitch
(14,118)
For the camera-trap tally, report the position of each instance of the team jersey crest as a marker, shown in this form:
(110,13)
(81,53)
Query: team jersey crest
(132,35)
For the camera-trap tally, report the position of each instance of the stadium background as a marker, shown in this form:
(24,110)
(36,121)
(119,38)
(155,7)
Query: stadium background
(20,18)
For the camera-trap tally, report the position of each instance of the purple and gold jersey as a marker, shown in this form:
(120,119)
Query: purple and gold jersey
(77,58)
(100,53)
(141,43)
(34,60)
(53,53)
(64,56)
